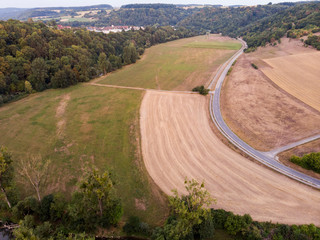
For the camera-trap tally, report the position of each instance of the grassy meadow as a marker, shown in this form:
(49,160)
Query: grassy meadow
(177,65)
(88,125)
(98,126)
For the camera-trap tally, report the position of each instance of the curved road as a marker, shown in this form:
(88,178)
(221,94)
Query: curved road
(262,157)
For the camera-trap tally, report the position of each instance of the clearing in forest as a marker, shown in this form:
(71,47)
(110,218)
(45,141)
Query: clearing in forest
(176,65)
(297,75)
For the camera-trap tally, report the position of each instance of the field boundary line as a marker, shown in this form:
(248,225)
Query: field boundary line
(141,89)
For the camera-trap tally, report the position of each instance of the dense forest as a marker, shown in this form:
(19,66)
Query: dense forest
(159,15)
(34,57)
(258,25)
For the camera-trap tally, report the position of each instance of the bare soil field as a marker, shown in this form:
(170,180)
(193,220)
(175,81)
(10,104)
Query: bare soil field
(298,74)
(260,112)
(178,142)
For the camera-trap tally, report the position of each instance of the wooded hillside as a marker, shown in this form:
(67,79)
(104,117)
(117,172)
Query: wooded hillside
(34,56)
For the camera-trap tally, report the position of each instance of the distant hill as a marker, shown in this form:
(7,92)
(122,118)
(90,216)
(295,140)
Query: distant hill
(7,13)
(154,6)
(48,12)
(258,25)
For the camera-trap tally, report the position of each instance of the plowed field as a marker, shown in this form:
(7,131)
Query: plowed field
(178,142)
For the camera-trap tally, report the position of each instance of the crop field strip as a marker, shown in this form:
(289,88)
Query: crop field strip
(261,113)
(298,75)
(89,124)
(177,142)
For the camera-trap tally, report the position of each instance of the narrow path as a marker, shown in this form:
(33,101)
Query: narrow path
(262,157)
(273,153)
(140,89)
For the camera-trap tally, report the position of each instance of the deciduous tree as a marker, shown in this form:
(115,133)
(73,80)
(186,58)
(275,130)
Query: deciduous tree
(35,170)
(6,173)
(189,210)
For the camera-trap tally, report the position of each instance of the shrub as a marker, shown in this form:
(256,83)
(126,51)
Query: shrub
(309,161)
(254,66)
(237,224)
(28,206)
(45,205)
(135,226)
(201,89)
(219,217)
(43,231)
(58,208)
(206,229)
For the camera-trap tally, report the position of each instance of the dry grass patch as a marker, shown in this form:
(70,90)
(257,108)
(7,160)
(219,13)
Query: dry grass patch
(258,111)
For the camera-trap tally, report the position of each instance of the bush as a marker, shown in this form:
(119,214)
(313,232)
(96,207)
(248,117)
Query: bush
(45,205)
(43,231)
(254,66)
(29,206)
(219,217)
(58,208)
(309,161)
(206,229)
(201,89)
(135,226)
(236,224)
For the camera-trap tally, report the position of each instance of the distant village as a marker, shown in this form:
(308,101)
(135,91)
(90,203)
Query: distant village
(106,30)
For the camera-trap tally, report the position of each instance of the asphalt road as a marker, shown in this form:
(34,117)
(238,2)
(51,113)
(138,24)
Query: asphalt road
(262,157)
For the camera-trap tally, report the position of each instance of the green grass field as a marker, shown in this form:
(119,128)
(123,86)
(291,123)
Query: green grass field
(174,66)
(88,125)
(101,128)
(215,45)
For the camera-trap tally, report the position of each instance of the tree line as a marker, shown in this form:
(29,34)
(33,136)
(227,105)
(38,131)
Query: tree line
(140,15)
(258,25)
(35,57)
(95,205)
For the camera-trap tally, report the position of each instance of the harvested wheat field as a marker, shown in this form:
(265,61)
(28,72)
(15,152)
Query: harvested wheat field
(178,142)
(299,75)
(258,111)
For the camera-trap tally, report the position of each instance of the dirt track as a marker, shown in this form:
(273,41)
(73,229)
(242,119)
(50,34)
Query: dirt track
(178,142)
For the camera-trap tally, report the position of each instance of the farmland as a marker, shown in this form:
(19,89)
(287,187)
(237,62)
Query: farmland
(90,125)
(178,142)
(260,112)
(178,65)
(297,75)
(78,127)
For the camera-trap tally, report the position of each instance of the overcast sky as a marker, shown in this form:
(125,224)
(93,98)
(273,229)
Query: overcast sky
(117,3)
